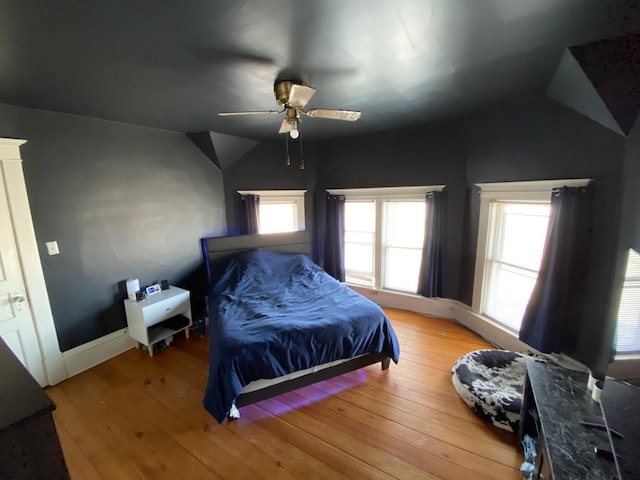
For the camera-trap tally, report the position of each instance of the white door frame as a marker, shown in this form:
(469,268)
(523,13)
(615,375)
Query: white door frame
(30,260)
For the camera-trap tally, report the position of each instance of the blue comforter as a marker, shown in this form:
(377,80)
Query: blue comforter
(271,314)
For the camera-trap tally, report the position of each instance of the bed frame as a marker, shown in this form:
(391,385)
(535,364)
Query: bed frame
(217,248)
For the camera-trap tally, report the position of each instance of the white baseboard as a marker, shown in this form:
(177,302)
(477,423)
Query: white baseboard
(491,332)
(90,354)
(446,308)
(55,370)
(622,368)
(438,307)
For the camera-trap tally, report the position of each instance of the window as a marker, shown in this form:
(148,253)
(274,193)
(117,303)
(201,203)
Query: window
(359,241)
(517,232)
(402,239)
(280,210)
(384,234)
(628,328)
(513,226)
(278,217)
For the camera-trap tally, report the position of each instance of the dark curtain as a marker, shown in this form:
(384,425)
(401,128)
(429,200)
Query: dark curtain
(334,237)
(558,293)
(432,276)
(249,214)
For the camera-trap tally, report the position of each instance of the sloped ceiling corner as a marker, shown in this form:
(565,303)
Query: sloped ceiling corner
(221,149)
(602,81)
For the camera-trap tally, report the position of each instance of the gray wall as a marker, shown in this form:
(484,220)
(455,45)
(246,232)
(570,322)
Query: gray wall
(630,232)
(264,168)
(121,202)
(542,139)
(433,155)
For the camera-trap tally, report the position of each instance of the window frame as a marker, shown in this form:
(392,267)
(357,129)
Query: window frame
(535,191)
(374,245)
(627,282)
(379,195)
(283,196)
(387,248)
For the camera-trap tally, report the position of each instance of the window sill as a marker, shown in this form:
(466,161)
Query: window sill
(496,324)
(440,307)
(625,366)
(624,357)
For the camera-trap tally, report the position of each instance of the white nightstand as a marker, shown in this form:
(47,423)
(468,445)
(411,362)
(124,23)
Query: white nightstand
(143,316)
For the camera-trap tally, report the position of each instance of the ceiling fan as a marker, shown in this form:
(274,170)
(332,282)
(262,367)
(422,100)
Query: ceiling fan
(292,96)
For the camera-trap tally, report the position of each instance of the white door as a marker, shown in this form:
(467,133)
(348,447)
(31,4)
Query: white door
(16,323)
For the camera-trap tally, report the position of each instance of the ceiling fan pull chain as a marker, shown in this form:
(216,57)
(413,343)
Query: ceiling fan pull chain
(286,142)
(301,156)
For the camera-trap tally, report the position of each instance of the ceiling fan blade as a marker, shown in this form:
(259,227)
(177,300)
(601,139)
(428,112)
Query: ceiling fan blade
(287,125)
(300,95)
(257,112)
(349,115)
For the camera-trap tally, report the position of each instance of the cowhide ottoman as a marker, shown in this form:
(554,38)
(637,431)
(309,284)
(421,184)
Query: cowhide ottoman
(491,382)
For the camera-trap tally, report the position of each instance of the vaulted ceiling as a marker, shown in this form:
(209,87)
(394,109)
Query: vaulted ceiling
(175,64)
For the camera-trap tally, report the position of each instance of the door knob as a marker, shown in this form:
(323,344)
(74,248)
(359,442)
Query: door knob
(17,298)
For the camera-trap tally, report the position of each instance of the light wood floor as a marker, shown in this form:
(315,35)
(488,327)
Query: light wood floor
(141,417)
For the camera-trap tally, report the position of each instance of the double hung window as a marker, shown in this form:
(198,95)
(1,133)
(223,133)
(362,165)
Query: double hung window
(402,239)
(280,210)
(384,234)
(359,241)
(628,327)
(517,232)
(514,219)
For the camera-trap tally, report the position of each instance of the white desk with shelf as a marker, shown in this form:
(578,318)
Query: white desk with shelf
(143,317)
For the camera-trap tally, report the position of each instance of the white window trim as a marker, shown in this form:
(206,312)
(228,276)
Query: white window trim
(530,191)
(635,355)
(282,196)
(378,194)
(386,193)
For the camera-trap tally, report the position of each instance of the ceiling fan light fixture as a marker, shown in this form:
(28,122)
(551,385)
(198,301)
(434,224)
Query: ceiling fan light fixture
(293,96)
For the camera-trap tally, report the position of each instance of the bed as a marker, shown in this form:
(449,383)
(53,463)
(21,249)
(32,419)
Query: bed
(278,322)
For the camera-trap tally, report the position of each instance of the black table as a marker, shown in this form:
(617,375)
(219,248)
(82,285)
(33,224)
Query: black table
(557,403)
(29,446)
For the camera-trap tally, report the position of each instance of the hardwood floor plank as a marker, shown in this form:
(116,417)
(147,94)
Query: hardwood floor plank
(78,463)
(99,452)
(392,439)
(409,437)
(381,388)
(270,457)
(195,439)
(186,403)
(134,435)
(138,417)
(299,461)
(426,422)
(349,466)
(354,445)
(461,421)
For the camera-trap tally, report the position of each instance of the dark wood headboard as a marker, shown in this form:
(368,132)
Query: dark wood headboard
(215,249)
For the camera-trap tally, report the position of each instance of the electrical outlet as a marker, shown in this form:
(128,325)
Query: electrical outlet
(52,248)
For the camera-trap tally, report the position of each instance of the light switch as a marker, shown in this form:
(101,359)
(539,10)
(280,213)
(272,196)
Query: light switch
(52,248)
